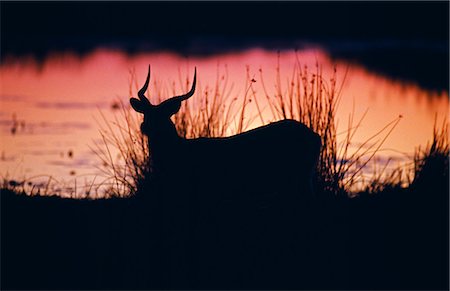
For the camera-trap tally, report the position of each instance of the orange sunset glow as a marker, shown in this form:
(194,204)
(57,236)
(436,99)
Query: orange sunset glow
(60,102)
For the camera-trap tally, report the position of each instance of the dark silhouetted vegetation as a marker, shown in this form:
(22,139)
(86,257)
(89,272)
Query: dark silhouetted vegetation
(384,234)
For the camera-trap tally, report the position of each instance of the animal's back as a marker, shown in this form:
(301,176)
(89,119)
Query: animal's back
(264,159)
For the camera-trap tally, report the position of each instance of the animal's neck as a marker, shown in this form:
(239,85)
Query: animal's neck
(165,149)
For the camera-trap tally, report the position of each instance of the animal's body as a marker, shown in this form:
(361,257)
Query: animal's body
(271,159)
(275,158)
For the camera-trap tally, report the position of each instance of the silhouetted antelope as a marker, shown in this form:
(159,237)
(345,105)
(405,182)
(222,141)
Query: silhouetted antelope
(277,157)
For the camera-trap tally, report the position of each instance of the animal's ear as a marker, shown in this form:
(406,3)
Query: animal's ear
(170,107)
(137,105)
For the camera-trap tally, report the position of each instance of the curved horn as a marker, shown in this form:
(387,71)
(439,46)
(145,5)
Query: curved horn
(191,92)
(144,88)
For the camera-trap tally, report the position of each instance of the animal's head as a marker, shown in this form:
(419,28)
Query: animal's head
(157,117)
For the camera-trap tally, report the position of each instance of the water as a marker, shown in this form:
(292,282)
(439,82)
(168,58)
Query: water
(50,111)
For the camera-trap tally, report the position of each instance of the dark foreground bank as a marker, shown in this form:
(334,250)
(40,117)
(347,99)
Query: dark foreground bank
(396,239)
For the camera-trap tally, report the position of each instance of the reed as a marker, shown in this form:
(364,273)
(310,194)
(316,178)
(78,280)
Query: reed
(212,112)
(431,164)
(313,99)
(307,96)
(123,174)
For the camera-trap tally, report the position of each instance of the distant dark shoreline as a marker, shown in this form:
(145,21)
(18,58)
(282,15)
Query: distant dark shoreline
(408,40)
(428,67)
(426,64)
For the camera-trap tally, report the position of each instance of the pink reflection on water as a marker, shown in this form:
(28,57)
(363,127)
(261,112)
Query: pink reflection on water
(67,90)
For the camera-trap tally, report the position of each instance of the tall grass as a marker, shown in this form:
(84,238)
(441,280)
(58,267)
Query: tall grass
(312,99)
(125,172)
(211,112)
(431,164)
(307,96)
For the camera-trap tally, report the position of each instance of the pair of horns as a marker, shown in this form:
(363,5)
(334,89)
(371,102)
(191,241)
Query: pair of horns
(180,98)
